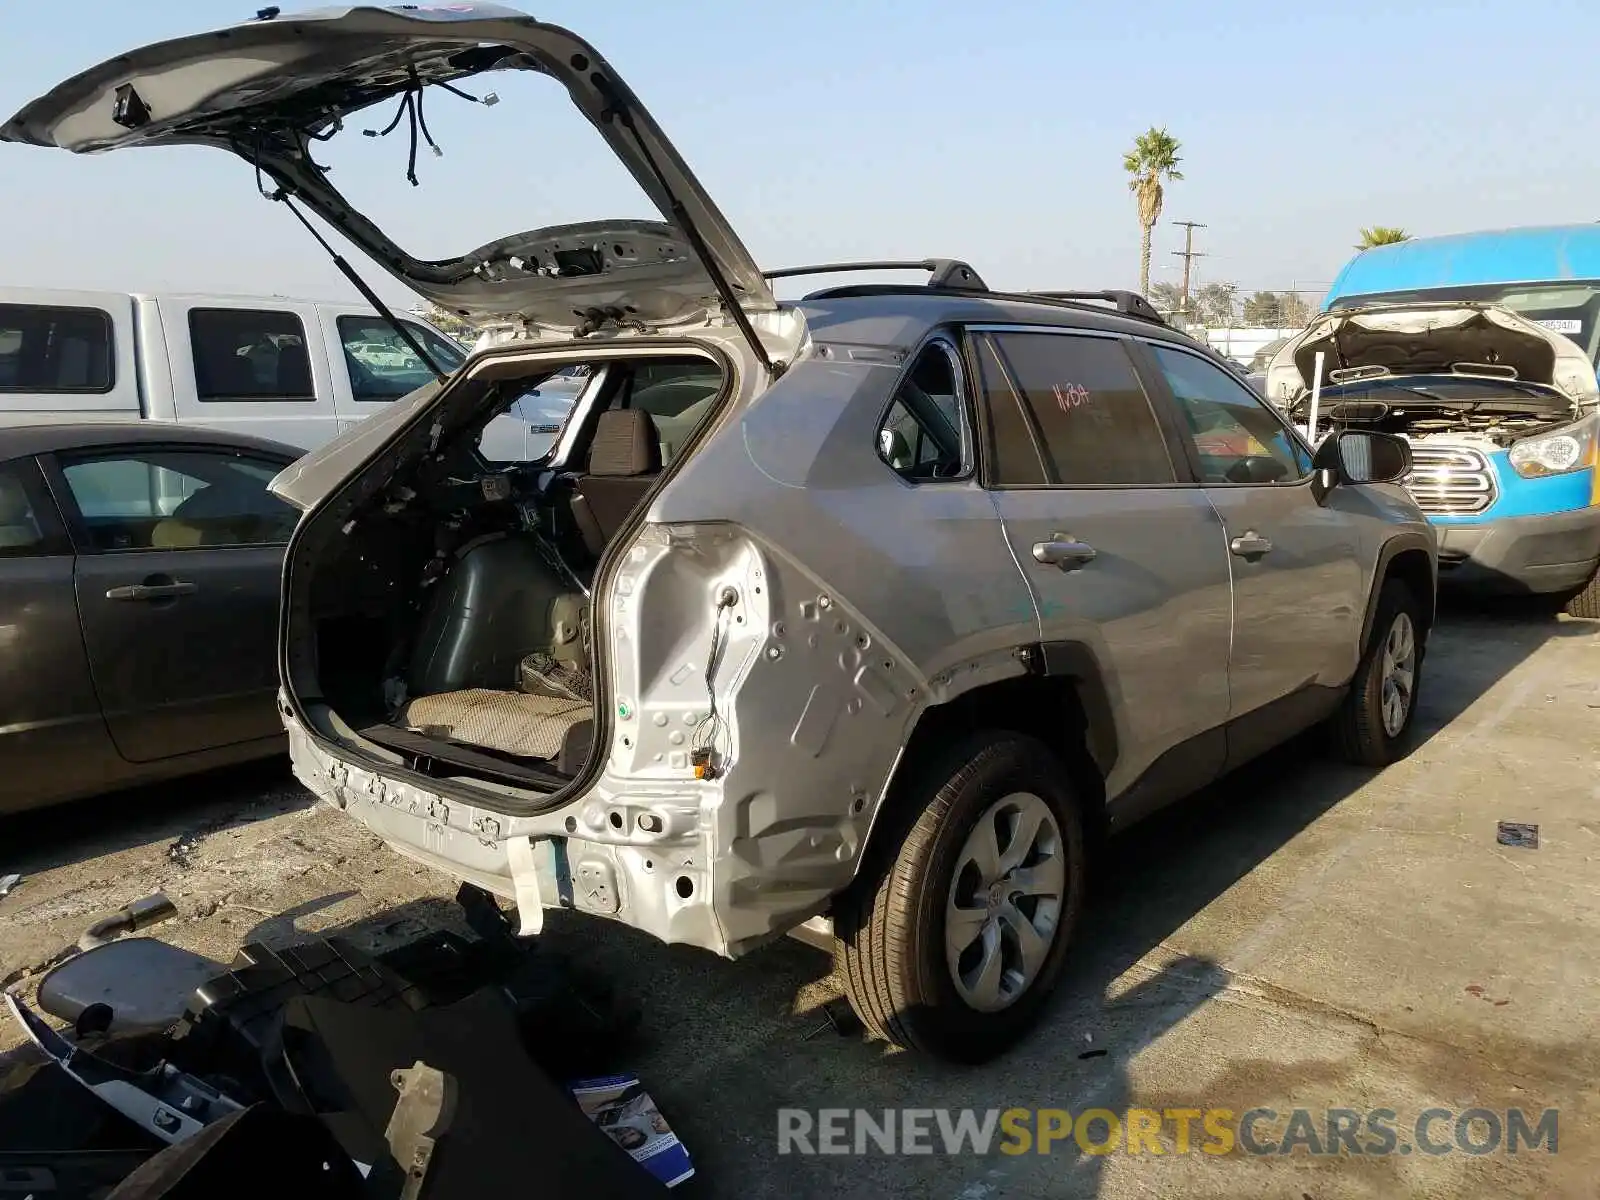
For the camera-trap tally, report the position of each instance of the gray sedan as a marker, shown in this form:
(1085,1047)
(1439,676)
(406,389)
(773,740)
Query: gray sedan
(139,569)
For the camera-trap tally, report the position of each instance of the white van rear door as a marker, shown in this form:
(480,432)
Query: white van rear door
(67,355)
(254,365)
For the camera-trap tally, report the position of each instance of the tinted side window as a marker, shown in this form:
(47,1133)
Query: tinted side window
(46,349)
(1239,439)
(177,499)
(240,355)
(1069,411)
(924,435)
(25,532)
(382,366)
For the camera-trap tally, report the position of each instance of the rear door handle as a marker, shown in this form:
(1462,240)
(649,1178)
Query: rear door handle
(1250,545)
(1063,551)
(152,591)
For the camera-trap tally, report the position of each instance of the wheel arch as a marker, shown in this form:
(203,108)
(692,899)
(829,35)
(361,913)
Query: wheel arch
(1061,700)
(1411,560)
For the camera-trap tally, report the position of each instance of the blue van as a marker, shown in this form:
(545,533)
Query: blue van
(1480,350)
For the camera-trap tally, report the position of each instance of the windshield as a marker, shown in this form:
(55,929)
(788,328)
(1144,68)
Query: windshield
(1568,307)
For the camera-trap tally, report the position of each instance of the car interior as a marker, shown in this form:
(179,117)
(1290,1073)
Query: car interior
(921,435)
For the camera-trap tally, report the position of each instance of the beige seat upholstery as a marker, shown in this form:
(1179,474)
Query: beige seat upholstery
(174,533)
(213,516)
(512,722)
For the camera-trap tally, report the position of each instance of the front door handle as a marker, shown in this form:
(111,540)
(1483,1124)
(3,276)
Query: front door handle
(1064,551)
(153,591)
(1250,545)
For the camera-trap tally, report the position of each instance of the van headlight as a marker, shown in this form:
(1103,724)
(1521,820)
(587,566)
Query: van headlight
(1569,449)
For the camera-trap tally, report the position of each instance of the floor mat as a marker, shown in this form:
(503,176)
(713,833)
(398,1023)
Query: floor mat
(511,722)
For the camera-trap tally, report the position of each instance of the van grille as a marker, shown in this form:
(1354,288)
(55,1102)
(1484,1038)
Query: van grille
(1450,480)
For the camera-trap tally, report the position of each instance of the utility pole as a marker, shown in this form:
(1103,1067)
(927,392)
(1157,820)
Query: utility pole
(1188,254)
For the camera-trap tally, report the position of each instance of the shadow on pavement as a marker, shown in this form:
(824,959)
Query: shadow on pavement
(193,807)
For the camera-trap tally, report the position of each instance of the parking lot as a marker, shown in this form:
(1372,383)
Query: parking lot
(1304,935)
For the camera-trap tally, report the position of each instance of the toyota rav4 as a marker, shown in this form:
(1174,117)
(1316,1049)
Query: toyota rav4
(868,613)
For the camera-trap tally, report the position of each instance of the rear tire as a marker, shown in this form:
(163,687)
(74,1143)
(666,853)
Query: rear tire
(1376,715)
(1586,603)
(999,798)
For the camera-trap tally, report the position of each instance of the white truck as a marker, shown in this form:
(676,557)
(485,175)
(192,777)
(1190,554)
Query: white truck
(296,371)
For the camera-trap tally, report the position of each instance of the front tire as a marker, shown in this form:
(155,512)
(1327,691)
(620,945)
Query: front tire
(955,940)
(1586,603)
(1376,716)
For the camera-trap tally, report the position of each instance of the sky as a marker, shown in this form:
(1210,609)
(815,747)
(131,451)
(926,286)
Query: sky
(828,130)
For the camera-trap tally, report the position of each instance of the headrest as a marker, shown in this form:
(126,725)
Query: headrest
(625,443)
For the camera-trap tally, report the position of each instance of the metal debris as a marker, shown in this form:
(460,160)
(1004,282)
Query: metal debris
(7,882)
(1514,833)
(842,1019)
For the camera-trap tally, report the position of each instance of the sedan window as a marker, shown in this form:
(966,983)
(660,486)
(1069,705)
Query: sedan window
(22,534)
(162,499)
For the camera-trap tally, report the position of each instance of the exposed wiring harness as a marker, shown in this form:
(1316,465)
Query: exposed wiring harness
(410,110)
(708,752)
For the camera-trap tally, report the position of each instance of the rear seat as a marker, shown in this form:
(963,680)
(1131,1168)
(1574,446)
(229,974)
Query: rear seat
(624,463)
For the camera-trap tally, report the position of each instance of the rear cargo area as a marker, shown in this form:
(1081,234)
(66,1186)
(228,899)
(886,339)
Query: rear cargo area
(446,618)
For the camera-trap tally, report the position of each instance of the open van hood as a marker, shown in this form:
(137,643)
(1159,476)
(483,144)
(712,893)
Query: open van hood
(271,89)
(1443,338)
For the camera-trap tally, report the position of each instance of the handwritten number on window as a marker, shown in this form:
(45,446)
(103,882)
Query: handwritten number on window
(1070,396)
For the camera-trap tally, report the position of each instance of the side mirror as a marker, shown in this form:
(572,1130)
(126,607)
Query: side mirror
(1359,456)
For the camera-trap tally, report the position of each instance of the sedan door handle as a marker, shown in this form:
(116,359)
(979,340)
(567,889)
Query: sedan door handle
(1251,545)
(152,591)
(1064,552)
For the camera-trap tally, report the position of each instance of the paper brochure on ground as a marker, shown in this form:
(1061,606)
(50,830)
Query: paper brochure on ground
(626,1113)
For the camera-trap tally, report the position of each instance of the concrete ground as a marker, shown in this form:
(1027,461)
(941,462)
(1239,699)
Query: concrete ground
(1303,935)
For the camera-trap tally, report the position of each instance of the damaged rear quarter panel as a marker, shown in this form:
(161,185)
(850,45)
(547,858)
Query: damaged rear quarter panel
(862,599)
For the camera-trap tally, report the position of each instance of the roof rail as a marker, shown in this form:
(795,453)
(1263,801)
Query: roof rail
(1129,304)
(944,272)
(953,275)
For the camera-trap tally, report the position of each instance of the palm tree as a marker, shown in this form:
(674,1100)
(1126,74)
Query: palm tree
(1382,235)
(1153,159)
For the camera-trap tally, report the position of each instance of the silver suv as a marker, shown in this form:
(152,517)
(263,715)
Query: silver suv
(867,613)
